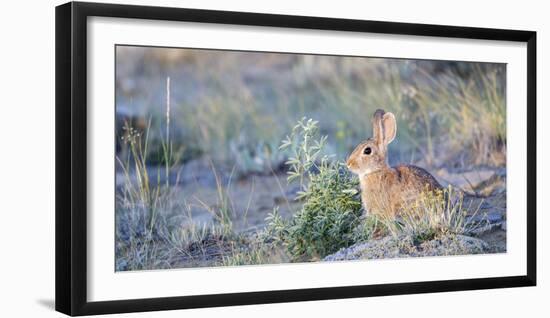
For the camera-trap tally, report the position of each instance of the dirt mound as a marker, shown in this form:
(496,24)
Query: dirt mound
(397,247)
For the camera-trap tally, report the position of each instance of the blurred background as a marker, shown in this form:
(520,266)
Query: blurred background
(236,107)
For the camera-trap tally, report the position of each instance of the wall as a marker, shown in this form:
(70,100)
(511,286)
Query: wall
(27,157)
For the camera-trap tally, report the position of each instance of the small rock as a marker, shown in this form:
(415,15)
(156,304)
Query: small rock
(490,217)
(468,180)
(483,229)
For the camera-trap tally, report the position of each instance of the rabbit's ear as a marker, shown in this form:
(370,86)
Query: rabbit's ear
(377,127)
(389,127)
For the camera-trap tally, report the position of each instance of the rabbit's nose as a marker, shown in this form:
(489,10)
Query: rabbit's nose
(348,163)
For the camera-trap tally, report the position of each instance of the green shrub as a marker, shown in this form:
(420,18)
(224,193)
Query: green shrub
(329,215)
(331,208)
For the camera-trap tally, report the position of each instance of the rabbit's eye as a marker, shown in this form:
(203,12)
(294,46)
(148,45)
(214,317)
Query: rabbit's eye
(367,151)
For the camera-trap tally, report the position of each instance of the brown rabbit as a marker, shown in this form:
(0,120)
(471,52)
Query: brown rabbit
(385,189)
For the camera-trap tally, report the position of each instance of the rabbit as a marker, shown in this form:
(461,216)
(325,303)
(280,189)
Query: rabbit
(385,189)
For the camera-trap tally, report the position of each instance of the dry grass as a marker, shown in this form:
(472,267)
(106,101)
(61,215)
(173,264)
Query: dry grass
(433,214)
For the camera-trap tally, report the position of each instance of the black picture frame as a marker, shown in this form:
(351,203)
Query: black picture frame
(71,157)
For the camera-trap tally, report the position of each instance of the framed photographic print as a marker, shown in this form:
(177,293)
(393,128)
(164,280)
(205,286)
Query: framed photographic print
(208,158)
